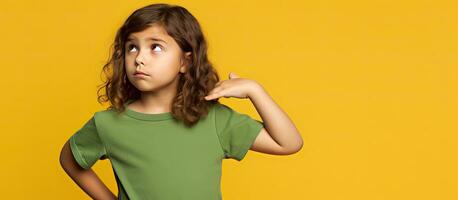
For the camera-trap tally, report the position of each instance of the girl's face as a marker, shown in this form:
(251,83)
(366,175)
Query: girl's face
(155,53)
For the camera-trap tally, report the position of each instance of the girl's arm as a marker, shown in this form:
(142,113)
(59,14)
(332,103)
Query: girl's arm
(279,135)
(87,180)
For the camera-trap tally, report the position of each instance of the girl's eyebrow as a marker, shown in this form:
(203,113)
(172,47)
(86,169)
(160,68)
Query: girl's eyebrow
(150,38)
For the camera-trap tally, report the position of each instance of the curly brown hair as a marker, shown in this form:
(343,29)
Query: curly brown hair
(189,104)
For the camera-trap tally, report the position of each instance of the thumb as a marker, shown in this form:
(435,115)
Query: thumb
(233,75)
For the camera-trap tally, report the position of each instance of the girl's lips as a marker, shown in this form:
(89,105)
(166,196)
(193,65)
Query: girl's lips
(140,75)
(140,72)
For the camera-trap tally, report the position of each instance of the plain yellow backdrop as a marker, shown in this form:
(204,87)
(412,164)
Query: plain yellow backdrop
(371,86)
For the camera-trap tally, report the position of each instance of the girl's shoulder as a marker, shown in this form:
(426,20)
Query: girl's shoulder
(219,107)
(105,114)
(223,112)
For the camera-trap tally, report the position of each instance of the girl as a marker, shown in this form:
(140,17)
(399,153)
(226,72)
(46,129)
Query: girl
(165,132)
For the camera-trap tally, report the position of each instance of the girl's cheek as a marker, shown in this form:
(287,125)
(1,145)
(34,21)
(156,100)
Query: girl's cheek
(128,60)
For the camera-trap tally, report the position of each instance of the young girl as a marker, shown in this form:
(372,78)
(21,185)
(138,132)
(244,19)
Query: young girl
(165,132)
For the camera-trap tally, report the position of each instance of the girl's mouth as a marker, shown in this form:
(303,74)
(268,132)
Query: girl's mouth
(140,75)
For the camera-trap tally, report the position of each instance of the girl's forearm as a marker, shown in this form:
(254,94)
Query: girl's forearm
(87,180)
(276,121)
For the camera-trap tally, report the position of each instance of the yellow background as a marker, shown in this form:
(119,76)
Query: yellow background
(371,86)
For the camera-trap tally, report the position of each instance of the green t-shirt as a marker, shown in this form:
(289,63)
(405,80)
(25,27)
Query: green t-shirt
(154,156)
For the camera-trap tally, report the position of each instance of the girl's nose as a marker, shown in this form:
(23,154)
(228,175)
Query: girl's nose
(139,60)
(140,65)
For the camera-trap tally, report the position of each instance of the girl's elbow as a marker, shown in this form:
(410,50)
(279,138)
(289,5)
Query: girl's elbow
(296,149)
(62,155)
(66,157)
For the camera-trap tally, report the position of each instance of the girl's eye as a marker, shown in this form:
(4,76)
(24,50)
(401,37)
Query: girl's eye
(129,47)
(157,47)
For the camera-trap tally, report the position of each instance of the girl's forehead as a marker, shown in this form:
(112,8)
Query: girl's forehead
(154,32)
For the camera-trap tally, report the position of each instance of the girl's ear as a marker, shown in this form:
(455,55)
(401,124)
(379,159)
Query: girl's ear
(185,63)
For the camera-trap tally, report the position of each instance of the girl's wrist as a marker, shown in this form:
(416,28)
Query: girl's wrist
(255,89)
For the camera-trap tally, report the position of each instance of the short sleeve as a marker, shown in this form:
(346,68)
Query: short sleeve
(236,131)
(86,145)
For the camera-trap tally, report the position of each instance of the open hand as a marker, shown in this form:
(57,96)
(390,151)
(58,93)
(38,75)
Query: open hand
(234,87)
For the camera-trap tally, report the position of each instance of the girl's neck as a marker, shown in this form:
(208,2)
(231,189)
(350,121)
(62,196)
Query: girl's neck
(159,100)
(152,103)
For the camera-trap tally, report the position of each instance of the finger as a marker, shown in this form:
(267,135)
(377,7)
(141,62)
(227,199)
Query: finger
(233,75)
(212,96)
(215,90)
(211,93)
(218,84)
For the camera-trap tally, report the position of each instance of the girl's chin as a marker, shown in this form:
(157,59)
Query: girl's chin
(144,87)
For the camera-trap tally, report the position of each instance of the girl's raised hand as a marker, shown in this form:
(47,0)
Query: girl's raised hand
(234,87)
